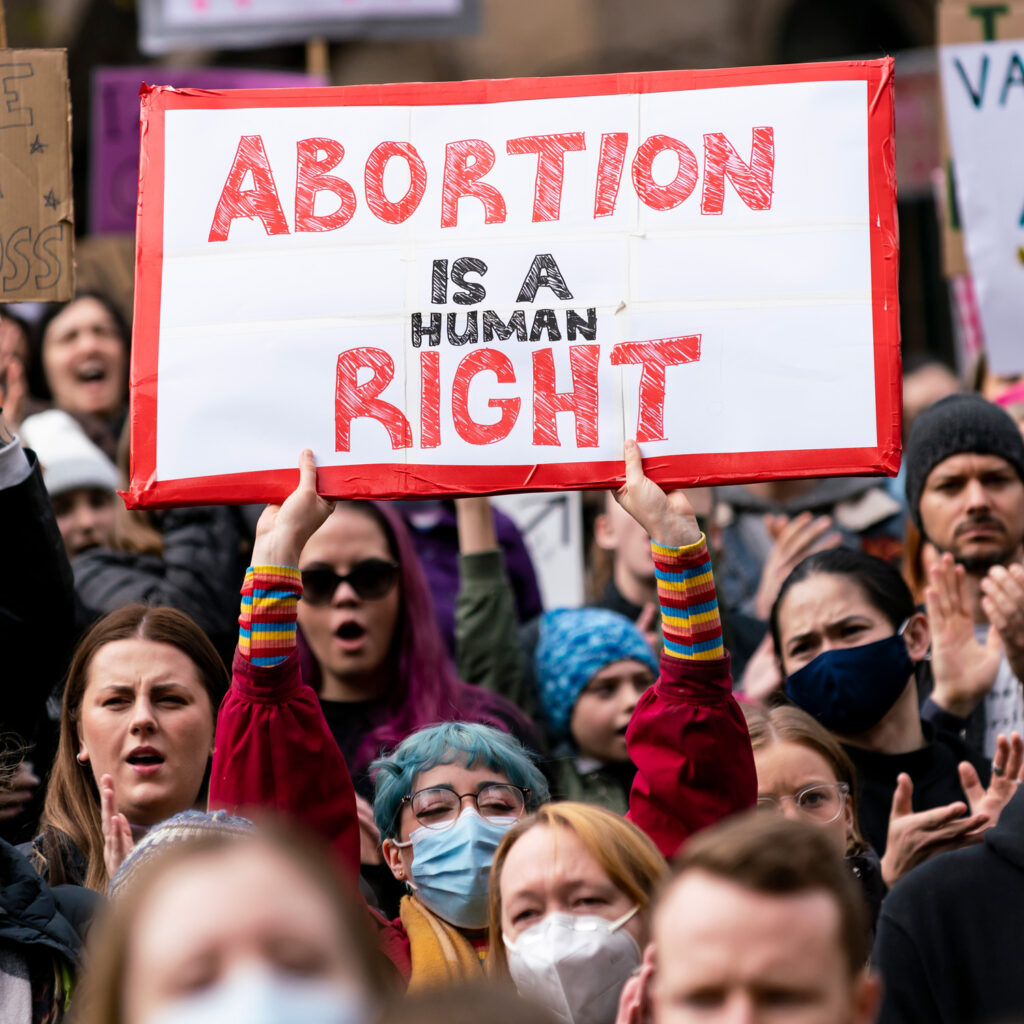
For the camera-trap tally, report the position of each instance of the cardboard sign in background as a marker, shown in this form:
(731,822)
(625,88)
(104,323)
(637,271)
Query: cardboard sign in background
(775,298)
(965,21)
(983,86)
(37,234)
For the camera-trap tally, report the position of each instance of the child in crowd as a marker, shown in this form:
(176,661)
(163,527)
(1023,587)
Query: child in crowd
(592,666)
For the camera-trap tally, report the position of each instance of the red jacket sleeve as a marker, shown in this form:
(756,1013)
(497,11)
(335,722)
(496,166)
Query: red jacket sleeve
(688,738)
(273,748)
(689,742)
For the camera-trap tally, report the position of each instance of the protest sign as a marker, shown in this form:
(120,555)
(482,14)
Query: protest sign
(114,153)
(37,232)
(983,89)
(166,25)
(918,115)
(487,286)
(967,21)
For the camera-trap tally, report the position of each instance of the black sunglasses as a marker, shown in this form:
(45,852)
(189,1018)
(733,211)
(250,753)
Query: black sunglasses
(371,579)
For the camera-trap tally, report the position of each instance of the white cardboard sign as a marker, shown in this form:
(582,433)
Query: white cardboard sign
(488,286)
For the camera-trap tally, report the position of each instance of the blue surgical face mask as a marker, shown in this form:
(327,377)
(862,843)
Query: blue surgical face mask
(261,995)
(851,689)
(451,867)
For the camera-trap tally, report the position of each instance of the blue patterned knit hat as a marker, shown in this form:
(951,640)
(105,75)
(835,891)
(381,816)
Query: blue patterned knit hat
(187,825)
(574,644)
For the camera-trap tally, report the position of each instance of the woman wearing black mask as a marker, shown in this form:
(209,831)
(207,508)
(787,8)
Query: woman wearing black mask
(847,635)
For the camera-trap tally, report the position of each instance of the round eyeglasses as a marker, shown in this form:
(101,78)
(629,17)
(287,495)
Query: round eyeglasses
(821,803)
(439,806)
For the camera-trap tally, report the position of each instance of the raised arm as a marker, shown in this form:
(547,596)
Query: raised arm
(37,615)
(487,648)
(273,748)
(688,738)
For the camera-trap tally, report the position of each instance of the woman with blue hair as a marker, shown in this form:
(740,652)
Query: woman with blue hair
(447,794)
(445,797)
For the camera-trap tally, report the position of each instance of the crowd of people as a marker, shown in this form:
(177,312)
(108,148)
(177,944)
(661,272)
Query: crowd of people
(769,773)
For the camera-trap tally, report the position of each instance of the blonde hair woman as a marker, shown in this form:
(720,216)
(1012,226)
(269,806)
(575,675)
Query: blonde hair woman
(571,887)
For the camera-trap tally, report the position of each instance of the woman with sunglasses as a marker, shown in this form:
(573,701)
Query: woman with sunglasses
(369,643)
(694,764)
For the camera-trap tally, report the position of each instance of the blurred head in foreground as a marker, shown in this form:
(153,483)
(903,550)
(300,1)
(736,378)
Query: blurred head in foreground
(232,926)
(466,1003)
(762,923)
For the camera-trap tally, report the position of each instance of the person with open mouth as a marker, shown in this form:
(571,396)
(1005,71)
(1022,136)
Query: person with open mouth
(136,738)
(81,360)
(371,645)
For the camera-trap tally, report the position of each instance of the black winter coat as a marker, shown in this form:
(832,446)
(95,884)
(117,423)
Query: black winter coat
(949,935)
(32,914)
(42,931)
(37,628)
(198,574)
(37,611)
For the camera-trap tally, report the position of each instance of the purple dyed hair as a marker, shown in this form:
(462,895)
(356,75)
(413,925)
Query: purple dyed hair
(426,690)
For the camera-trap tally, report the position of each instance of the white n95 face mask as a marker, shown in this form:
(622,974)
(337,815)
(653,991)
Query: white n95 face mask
(575,965)
(258,995)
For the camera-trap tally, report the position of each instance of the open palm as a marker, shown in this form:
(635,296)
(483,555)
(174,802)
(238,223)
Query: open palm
(964,669)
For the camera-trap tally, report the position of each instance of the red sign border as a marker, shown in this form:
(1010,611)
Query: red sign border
(420,480)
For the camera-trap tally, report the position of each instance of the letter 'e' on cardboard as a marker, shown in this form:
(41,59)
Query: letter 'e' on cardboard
(37,231)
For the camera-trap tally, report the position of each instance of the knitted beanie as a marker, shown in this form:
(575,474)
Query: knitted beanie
(182,827)
(953,425)
(573,646)
(69,460)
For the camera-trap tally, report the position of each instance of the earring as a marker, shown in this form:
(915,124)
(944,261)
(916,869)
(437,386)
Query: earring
(82,758)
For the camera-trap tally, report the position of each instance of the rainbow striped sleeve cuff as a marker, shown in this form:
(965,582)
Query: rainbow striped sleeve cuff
(266,623)
(689,605)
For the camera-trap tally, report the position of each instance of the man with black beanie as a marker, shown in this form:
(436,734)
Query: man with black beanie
(965,491)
